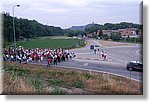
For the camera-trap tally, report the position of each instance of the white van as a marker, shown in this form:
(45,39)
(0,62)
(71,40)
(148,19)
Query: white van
(95,47)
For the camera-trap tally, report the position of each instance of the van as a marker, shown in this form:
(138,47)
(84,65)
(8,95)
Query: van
(95,47)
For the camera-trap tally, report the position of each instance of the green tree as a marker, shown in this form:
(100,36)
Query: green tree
(105,37)
(100,34)
(115,36)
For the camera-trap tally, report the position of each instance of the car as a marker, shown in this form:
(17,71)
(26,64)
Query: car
(134,65)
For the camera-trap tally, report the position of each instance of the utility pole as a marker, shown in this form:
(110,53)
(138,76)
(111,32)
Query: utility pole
(14,25)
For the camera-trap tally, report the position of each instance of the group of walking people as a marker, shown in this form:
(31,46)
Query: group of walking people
(102,54)
(51,56)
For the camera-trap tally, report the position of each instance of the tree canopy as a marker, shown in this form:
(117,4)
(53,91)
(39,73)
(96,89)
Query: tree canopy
(32,29)
(27,28)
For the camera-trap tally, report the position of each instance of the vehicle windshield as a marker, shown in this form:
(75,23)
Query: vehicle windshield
(96,46)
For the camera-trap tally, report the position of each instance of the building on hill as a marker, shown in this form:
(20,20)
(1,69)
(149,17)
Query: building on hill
(128,32)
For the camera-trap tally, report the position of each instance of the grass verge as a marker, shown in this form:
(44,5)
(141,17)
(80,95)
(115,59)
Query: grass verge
(31,79)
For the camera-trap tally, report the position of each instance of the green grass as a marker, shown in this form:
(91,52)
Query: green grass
(36,83)
(58,91)
(52,43)
(55,37)
(17,71)
(79,84)
(56,82)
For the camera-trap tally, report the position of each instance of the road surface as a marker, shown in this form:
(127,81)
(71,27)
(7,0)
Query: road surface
(116,60)
(115,63)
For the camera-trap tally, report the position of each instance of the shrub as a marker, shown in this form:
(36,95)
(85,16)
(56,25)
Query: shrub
(79,84)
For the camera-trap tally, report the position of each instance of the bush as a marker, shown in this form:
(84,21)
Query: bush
(79,84)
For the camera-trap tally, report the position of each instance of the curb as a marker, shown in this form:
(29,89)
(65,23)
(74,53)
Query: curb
(93,71)
(100,72)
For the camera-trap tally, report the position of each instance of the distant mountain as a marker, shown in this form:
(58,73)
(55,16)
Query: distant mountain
(107,26)
(81,27)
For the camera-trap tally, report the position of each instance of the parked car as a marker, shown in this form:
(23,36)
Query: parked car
(134,65)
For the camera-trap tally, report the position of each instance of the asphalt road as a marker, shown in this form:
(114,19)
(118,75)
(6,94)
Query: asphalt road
(115,63)
(116,60)
(124,54)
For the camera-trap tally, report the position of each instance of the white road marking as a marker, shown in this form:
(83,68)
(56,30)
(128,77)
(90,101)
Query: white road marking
(85,64)
(83,53)
(137,52)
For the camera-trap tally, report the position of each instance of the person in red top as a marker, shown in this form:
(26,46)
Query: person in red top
(48,62)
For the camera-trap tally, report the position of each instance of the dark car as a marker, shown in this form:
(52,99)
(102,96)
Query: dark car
(134,65)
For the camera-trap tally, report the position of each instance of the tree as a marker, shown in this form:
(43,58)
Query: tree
(26,28)
(105,37)
(115,36)
(100,34)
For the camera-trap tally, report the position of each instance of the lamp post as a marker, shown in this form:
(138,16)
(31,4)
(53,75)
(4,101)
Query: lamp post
(14,25)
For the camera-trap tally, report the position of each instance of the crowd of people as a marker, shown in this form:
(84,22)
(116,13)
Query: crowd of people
(51,56)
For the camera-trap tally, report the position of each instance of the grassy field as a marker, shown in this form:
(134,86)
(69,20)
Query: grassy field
(31,79)
(52,42)
(55,37)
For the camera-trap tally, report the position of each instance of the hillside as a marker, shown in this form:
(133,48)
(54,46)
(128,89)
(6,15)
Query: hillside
(39,79)
(106,26)
(81,27)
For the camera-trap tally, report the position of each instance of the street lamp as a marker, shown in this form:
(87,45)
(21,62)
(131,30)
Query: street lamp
(14,25)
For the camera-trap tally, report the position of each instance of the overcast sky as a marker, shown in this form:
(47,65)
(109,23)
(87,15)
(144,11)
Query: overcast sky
(66,13)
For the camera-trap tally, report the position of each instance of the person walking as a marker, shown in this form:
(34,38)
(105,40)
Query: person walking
(105,55)
(41,58)
(102,54)
(20,59)
(48,62)
(95,51)
(11,58)
(55,61)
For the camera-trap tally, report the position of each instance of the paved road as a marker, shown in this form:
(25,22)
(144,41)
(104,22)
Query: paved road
(124,54)
(101,66)
(116,61)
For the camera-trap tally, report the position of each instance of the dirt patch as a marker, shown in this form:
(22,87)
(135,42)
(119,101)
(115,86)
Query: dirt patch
(111,43)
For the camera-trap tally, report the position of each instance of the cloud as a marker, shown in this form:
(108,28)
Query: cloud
(66,13)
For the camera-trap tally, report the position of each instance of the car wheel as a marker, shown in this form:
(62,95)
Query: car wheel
(130,68)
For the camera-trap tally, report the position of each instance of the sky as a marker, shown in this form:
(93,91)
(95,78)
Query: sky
(67,13)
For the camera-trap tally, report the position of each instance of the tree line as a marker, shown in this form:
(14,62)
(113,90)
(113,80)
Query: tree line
(32,29)
(26,28)
(106,26)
